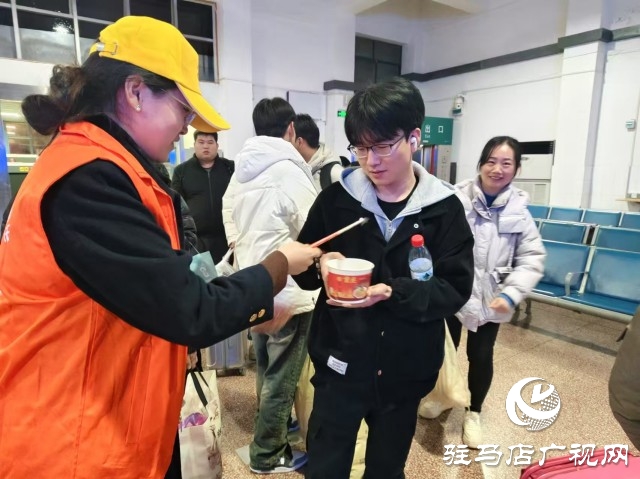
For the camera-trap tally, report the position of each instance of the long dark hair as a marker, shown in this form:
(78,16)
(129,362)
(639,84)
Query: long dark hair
(496,141)
(78,92)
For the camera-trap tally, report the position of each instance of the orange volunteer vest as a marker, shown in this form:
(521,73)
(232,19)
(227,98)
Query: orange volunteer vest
(83,394)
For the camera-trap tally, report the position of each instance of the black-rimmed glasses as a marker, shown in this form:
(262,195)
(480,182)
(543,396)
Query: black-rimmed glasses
(380,149)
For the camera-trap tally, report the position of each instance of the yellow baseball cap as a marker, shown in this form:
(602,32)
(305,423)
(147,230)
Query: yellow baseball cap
(159,47)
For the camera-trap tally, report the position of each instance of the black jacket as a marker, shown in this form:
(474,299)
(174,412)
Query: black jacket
(396,344)
(203,190)
(190,232)
(110,245)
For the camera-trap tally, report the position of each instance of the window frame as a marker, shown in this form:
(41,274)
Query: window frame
(375,60)
(75,19)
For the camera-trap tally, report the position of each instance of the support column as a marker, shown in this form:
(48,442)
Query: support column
(235,74)
(579,106)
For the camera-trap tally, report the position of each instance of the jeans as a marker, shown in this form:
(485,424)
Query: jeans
(279,359)
(480,355)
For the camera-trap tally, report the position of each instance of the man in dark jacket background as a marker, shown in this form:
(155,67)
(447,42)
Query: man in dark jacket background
(202,181)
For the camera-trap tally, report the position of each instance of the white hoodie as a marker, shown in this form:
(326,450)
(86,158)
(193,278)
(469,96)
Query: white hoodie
(266,204)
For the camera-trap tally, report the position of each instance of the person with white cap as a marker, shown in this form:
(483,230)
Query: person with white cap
(97,301)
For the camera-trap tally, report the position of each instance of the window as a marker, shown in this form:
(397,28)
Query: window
(47,29)
(46,38)
(89,33)
(376,61)
(7,40)
(205,56)
(23,142)
(196,21)
(61,6)
(160,9)
(109,11)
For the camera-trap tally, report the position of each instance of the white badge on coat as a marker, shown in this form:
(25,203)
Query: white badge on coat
(338,366)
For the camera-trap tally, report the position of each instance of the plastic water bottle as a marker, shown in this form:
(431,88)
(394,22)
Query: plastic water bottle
(420,262)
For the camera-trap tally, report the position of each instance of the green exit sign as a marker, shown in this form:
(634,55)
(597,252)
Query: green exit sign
(437,131)
(342,113)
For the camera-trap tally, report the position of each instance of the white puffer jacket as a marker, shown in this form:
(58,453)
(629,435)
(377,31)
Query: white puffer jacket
(266,204)
(508,253)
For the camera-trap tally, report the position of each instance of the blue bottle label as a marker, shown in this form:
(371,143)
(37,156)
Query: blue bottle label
(422,275)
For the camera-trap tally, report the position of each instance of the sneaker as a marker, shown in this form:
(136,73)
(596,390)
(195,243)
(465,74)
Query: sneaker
(298,460)
(293,425)
(431,409)
(472,430)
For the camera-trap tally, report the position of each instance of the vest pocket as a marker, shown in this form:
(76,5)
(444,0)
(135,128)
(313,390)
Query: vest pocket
(139,396)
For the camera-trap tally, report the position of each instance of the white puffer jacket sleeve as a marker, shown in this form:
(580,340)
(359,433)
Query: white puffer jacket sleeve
(228,201)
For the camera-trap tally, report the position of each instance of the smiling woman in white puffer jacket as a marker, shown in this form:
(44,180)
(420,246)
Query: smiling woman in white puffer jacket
(509,261)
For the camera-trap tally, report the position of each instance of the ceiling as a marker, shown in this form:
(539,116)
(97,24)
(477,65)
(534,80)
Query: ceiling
(420,9)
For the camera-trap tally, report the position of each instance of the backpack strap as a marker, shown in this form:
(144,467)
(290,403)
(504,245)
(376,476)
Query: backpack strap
(325,174)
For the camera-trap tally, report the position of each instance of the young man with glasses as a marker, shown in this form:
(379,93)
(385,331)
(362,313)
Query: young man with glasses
(376,359)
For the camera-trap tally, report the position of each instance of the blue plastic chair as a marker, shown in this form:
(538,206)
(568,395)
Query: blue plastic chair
(602,218)
(565,232)
(630,220)
(566,214)
(539,211)
(624,239)
(562,258)
(613,282)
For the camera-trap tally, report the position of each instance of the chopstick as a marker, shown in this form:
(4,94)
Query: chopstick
(361,221)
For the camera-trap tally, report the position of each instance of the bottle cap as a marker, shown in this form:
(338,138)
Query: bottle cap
(417,241)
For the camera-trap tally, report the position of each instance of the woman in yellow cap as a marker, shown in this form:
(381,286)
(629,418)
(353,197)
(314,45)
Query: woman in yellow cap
(97,301)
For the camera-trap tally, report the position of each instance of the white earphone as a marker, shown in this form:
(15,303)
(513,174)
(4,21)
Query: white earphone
(414,142)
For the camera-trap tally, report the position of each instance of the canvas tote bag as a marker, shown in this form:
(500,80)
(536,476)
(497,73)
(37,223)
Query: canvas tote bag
(451,388)
(200,428)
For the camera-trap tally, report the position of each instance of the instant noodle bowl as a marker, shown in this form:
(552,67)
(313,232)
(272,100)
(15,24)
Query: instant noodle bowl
(348,279)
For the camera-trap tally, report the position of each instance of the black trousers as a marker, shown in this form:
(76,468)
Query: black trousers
(480,355)
(175,467)
(174,471)
(335,419)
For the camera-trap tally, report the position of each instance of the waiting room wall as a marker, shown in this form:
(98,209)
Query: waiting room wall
(266,52)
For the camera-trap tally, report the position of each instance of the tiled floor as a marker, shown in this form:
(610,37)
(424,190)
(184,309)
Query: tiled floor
(574,352)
